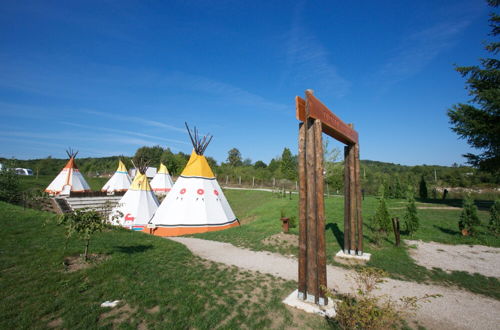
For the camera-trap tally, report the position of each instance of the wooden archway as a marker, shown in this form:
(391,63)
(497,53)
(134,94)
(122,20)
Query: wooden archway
(316,119)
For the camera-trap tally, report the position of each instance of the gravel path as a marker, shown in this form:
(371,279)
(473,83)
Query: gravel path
(456,309)
(480,259)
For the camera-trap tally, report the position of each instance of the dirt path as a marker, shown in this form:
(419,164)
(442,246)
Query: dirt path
(456,309)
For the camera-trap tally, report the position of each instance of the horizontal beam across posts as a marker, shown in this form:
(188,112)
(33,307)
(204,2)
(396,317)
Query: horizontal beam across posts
(331,124)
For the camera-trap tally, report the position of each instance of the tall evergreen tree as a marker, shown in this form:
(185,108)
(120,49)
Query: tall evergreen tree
(494,224)
(381,220)
(411,217)
(422,191)
(479,120)
(234,157)
(469,220)
(288,165)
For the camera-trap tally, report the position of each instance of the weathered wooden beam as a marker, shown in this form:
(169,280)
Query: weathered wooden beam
(312,246)
(331,124)
(312,265)
(320,213)
(302,211)
(347,201)
(359,205)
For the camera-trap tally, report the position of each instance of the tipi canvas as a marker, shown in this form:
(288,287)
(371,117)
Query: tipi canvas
(162,182)
(69,179)
(120,181)
(196,203)
(138,205)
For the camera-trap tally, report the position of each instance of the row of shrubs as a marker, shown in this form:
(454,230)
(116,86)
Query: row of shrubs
(468,221)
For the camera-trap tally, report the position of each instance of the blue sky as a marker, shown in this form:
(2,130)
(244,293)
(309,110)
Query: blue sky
(107,77)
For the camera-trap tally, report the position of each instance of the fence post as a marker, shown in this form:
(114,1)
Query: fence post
(239,180)
(226,179)
(253,182)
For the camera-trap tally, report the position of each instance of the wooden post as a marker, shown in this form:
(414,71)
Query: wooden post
(359,205)
(239,180)
(320,214)
(352,203)
(253,181)
(312,265)
(347,200)
(227,178)
(302,212)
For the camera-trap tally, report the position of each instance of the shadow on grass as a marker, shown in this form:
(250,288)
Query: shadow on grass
(133,249)
(339,235)
(447,230)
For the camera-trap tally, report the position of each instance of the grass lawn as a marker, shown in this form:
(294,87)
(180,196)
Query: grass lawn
(159,282)
(259,213)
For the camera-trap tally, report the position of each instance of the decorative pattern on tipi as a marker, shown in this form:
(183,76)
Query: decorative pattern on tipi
(138,205)
(69,179)
(120,181)
(196,203)
(162,182)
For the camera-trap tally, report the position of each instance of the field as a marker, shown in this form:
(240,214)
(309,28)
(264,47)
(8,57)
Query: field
(162,285)
(259,213)
(159,282)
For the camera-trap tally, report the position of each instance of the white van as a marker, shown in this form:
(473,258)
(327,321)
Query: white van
(23,171)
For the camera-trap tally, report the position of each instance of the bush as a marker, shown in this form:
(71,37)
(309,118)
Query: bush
(10,190)
(381,220)
(469,220)
(83,223)
(363,310)
(494,224)
(410,217)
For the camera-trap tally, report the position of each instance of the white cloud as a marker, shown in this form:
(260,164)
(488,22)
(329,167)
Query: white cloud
(308,63)
(135,120)
(124,132)
(224,91)
(417,51)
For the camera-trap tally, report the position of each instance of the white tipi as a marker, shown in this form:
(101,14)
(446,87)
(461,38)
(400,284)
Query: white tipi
(196,203)
(162,182)
(69,179)
(120,181)
(138,205)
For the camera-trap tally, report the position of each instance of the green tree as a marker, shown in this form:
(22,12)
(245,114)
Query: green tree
(381,191)
(494,224)
(381,220)
(479,120)
(234,157)
(411,217)
(469,220)
(83,223)
(288,166)
(274,165)
(168,158)
(259,164)
(10,190)
(422,191)
(149,154)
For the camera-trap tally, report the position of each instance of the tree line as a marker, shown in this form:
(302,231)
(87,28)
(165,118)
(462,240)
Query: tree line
(396,179)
